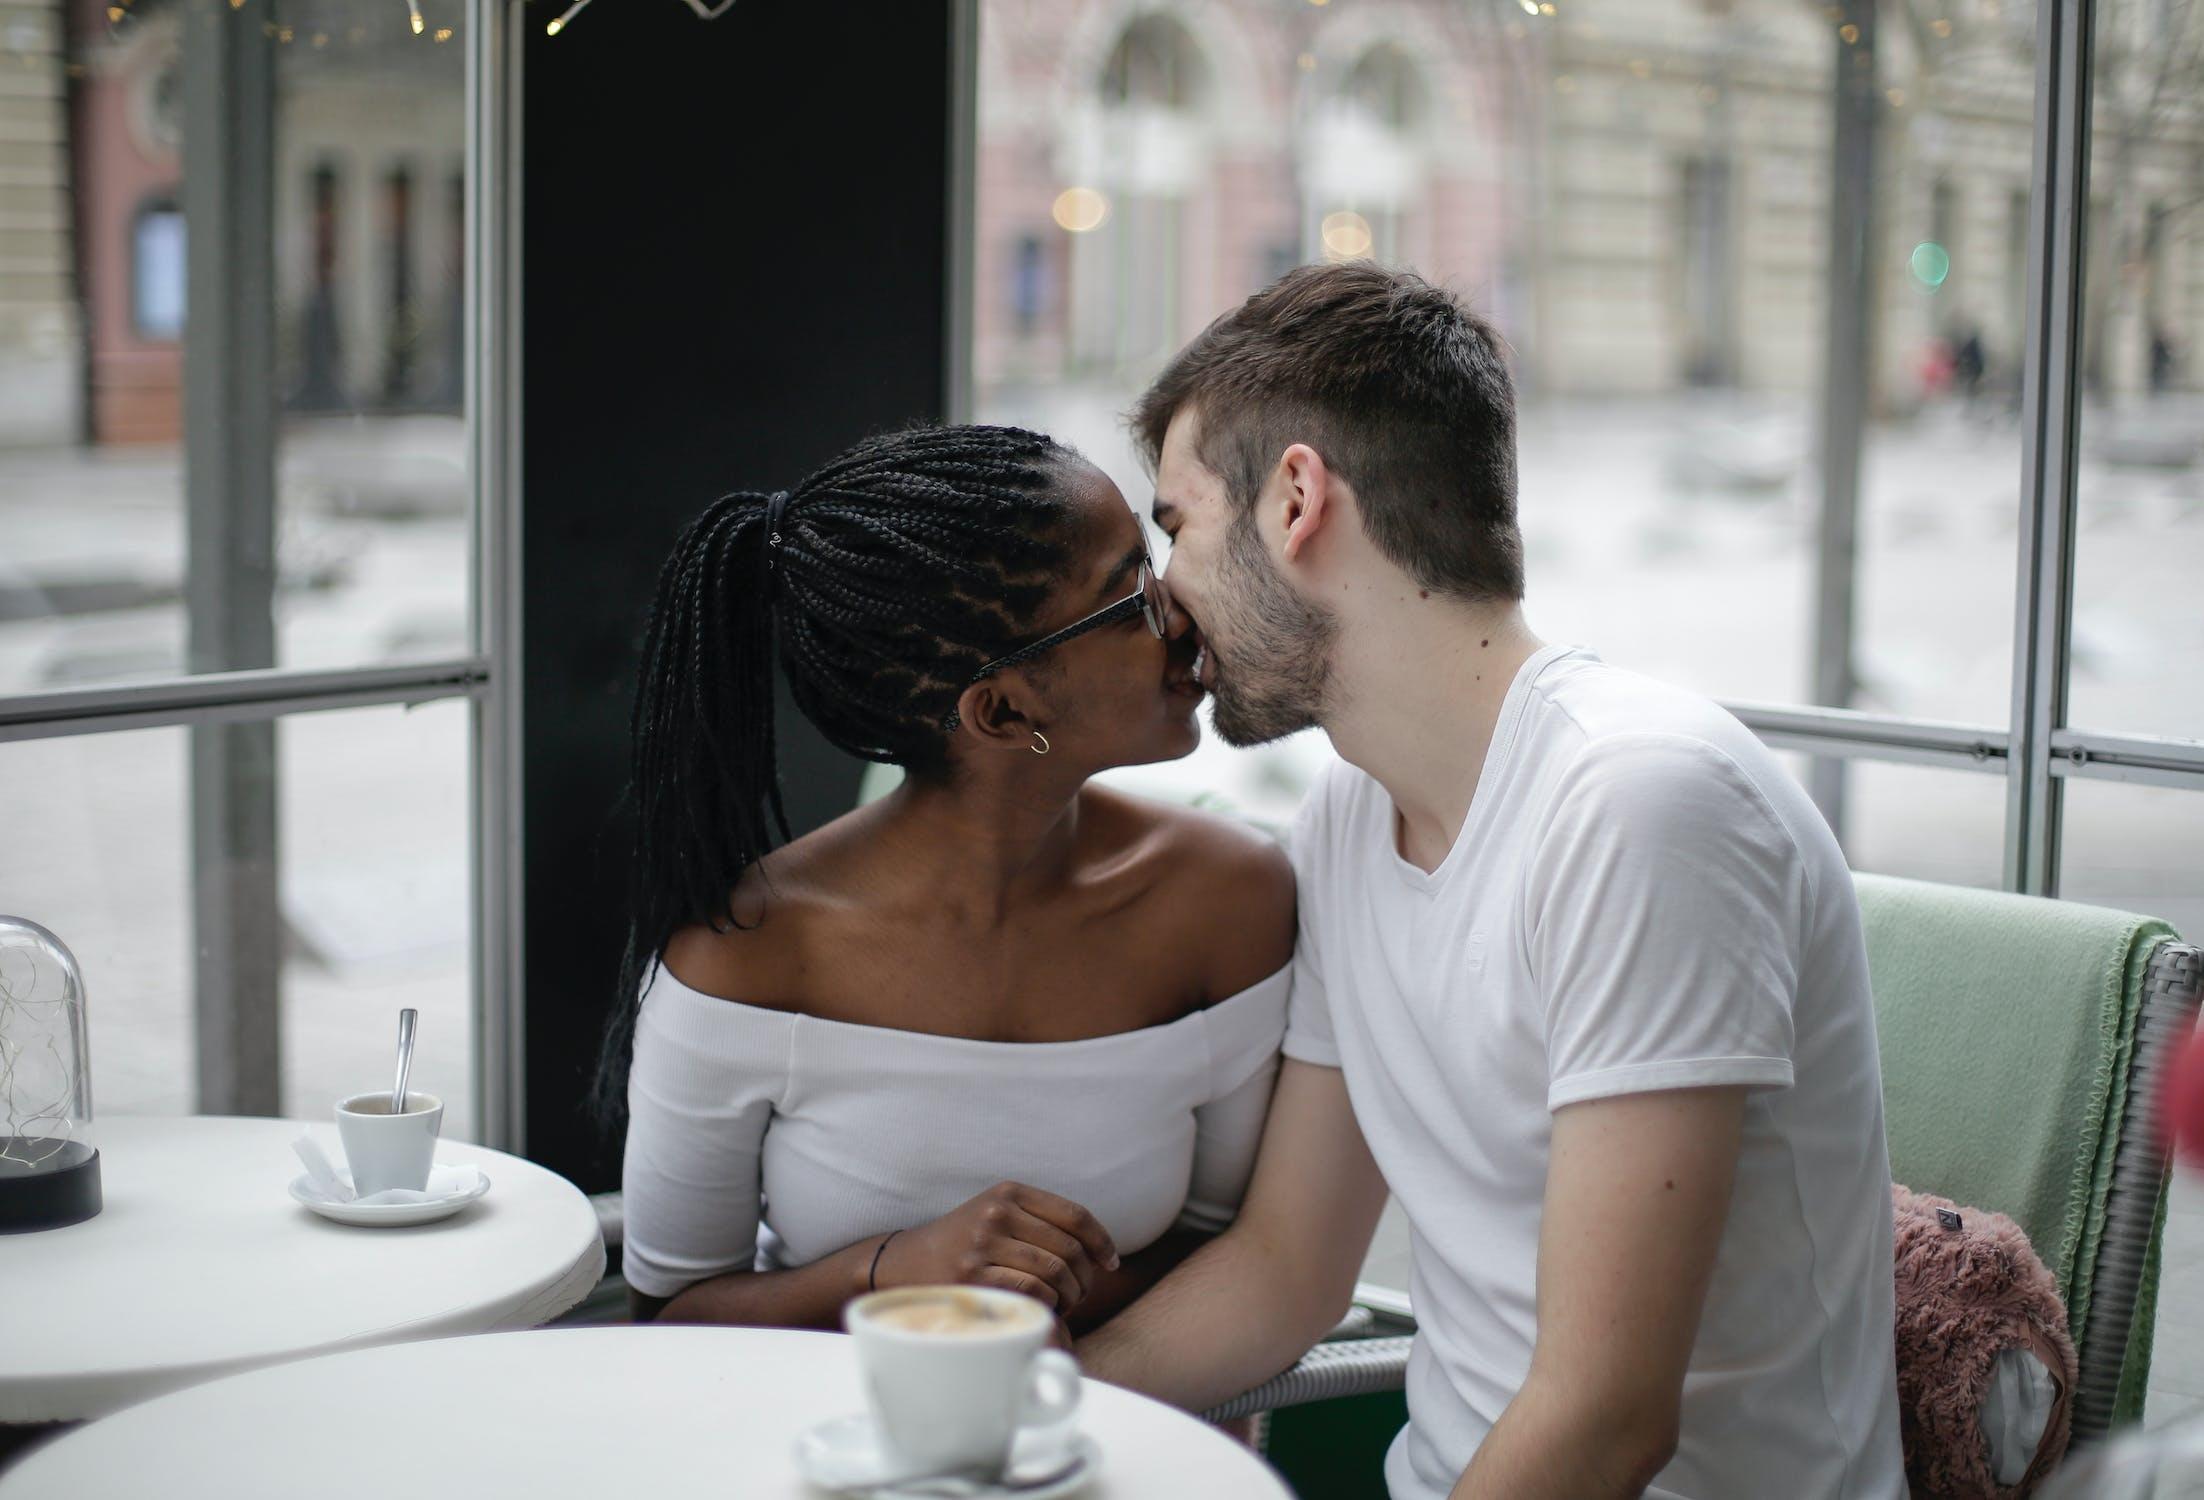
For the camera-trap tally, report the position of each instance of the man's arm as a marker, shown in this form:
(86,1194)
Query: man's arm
(1252,1301)
(1637,1192)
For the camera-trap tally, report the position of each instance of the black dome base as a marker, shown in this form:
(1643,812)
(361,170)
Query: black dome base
(62,1189)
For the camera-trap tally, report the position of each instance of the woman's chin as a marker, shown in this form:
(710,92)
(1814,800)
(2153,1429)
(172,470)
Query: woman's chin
(1179,739)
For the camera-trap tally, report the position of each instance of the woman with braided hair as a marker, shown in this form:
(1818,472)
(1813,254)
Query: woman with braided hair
(1002,1026)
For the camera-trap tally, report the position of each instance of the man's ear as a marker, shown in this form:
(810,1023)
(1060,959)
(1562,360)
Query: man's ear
(1308,497)
(993,710)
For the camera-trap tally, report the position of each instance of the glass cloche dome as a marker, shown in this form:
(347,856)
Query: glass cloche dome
(49,1166)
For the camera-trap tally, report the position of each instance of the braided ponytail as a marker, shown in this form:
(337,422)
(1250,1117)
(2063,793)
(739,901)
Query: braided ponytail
(881,584)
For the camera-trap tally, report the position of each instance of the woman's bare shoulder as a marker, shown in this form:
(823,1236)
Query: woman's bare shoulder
(753,950)
(1226,885)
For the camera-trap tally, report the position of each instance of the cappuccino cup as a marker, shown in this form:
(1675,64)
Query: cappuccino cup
(952,1372)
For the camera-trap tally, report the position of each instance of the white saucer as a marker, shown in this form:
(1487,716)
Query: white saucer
(452,1189)
(844,1455)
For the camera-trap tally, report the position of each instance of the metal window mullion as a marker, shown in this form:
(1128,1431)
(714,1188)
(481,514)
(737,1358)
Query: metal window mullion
(2138,759)
(492,297)
(2085,745)
(197,717)
(232,698)
(958,394)
(1848,734)
(229,407)
(1839,749)
(2131,773)
(1848,358)
(2050,425)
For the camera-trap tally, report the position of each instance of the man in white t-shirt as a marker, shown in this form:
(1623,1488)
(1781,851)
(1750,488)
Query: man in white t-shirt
(1580,967)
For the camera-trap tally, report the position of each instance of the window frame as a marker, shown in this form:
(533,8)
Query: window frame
(488,675)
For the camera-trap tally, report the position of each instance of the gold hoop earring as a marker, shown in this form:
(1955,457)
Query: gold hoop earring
(1043,747)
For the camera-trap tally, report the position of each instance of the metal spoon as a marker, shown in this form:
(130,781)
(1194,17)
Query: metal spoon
(406,1020)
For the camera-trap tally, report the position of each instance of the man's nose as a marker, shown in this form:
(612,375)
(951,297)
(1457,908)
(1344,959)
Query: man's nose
(1176,621)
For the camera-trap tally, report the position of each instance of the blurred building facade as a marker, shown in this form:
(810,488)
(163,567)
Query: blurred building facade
(40,338)
(368,214)
(1638,191)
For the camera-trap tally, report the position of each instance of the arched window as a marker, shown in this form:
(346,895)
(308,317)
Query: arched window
(1366,157)
(1146,151)
(1155,63)
(1384,85)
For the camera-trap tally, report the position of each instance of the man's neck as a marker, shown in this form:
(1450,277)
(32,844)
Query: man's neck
(1419,685)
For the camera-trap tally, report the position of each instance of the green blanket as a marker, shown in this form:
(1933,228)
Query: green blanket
(2007,1024)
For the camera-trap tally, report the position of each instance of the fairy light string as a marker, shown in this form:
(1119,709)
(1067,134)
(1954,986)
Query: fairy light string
(118,11)
(36,1123)
(706,10)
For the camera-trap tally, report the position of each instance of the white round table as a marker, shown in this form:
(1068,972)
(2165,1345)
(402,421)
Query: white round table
(200,1265)
(667,1413)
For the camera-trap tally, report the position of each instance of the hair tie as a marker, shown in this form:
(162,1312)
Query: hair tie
(775,504)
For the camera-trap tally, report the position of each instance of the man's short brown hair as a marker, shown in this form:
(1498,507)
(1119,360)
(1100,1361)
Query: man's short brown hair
(1402,389)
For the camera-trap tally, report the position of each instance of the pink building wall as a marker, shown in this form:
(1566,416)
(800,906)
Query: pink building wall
(136,383)
(1042,67)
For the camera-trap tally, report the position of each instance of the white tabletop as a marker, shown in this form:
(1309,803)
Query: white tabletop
(668,1413)
(200,1264)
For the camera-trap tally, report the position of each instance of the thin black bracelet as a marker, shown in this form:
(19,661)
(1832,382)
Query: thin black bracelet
(872,1277)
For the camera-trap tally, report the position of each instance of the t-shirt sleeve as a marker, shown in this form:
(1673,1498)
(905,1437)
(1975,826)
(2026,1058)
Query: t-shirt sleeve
(1309,1036)
(701,1091)
(1665,905)
(1242,1035)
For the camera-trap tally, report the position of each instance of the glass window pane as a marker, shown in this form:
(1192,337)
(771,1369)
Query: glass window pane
(2138,663)
(2135,848)
(1641,197)
(354,186)
(372,892)
(1922,822)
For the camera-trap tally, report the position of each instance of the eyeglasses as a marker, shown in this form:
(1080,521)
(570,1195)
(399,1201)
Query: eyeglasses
(1149,600)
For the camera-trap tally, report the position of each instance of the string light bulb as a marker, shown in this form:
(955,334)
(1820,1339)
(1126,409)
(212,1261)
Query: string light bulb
(560,24)
(419,25)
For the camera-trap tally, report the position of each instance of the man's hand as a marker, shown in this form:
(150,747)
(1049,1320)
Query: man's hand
(1253,1300)
(1637,1194)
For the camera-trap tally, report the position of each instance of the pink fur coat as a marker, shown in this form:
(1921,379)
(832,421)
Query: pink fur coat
(1964,1295)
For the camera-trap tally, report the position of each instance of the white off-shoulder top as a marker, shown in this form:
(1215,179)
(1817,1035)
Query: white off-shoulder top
(760,1139)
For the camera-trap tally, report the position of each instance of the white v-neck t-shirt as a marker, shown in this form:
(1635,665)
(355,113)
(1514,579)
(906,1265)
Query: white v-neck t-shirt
(1640,899)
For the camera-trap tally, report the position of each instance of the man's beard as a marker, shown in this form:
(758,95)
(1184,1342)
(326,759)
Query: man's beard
(1278,677)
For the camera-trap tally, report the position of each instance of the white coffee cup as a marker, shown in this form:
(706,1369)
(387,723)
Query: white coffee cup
(950,1392)
(386,1150)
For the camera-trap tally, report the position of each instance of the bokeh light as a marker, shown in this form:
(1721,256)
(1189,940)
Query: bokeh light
(1930,264)
(1079,209)
(1346,235)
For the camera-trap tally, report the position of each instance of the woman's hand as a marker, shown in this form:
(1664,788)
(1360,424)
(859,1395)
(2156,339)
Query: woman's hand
(1011,1236)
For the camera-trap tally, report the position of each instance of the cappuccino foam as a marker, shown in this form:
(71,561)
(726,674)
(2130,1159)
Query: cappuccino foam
(953,1315)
